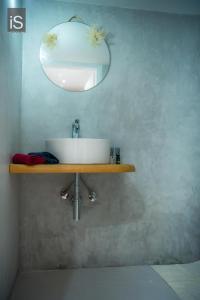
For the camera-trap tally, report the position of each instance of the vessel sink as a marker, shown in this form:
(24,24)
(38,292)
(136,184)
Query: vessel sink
(80,150)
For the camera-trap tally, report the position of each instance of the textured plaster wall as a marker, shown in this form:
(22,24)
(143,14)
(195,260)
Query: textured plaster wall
(10,94)
(149,106)
(169,6)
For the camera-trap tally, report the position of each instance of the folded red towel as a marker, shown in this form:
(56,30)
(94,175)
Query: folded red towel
(26,159)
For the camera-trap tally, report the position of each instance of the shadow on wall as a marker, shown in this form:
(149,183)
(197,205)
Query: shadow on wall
(116,231)
(50,238)
(119,202)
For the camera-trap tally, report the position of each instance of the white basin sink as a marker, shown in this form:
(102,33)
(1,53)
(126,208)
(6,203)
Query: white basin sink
(80,150)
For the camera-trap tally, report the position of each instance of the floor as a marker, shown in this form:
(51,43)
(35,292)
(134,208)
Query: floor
(172,282)
(183,279)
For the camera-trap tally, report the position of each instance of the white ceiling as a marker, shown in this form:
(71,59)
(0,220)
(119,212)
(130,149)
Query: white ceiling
(170,6)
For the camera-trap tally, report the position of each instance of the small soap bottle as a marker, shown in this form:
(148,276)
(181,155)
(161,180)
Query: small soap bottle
(117,153)
(112,155)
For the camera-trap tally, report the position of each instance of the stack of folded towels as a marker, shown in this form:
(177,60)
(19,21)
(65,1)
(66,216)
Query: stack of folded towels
(35,158)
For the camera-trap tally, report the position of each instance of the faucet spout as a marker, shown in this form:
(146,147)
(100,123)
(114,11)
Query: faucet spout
(76,129)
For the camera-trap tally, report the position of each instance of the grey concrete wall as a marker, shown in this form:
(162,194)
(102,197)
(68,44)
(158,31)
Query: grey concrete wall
(149,106)
(10,94)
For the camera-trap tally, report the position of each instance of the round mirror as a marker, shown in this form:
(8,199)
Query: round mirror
(75,56)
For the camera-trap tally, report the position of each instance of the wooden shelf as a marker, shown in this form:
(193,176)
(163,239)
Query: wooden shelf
(62,168)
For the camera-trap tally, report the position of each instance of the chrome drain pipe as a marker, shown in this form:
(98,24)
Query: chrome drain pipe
(76,200)
(74,196)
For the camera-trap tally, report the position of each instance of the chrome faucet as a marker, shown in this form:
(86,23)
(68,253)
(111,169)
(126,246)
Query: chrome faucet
(76,129)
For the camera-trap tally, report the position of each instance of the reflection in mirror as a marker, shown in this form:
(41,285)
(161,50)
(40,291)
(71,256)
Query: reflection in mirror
(75,56)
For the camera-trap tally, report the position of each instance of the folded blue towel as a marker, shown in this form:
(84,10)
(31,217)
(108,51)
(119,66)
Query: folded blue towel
(49,158)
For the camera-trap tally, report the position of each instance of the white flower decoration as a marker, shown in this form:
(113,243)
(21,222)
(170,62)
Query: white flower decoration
(96,35)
